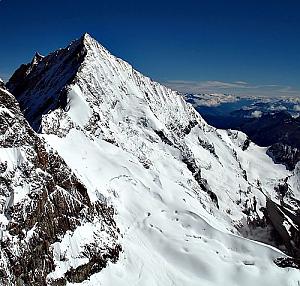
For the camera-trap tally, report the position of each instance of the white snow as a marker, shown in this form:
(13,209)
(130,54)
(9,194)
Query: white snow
(173,234)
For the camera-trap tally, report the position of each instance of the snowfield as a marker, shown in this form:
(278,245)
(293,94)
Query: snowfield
(169,237)
(186,195)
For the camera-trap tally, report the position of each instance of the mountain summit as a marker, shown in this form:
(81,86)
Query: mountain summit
(41,83)
(194,205)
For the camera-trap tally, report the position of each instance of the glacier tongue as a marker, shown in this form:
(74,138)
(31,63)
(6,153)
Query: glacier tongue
(185,193)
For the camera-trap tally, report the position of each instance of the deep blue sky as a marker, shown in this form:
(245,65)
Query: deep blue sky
(245,47)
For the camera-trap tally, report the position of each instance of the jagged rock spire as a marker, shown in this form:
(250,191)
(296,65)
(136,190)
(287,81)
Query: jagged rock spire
(37,58)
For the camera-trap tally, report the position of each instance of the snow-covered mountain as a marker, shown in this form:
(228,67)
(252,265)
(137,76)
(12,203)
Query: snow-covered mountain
(194,205)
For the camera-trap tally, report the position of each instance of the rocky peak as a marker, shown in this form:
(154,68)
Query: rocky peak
(43,82)
(87,38)
(89,42)
(36,59)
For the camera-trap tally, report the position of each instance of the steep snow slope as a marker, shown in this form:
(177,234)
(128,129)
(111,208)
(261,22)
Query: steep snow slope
(43,207)
(184,192)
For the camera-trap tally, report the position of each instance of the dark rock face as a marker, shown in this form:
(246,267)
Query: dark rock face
(208,146)
(285,219)
(53,202)
(284,154)
(163,137)
(48,77)
(95,264)
(288,262)
(196,171)
(246,144)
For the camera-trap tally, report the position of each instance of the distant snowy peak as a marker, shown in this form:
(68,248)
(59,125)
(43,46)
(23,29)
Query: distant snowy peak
(211,99)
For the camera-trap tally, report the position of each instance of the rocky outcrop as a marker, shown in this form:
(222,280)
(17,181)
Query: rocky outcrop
(41,201)
(284,217)
(284,154)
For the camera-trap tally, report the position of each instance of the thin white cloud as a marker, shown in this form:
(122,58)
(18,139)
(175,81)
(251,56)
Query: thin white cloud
(240,88)
(240,82)
(209,83)
(288,89)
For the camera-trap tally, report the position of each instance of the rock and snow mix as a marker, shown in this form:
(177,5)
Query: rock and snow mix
(42,203)
(190,199)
